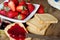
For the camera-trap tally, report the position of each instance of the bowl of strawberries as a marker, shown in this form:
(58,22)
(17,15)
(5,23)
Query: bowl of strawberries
(17,11)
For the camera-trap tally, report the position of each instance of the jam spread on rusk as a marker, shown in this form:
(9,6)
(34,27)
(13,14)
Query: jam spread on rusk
(17,32)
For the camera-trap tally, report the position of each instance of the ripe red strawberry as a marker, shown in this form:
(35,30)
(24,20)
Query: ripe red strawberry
(23,3)
(21,17)
(25,12)
(30,7)
(11,5)
(3,12)
(12,14)
(20,8)
(15,2)
(41,9)
(5,4)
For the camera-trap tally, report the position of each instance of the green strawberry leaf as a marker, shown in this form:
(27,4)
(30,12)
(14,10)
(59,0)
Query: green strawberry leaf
(19,17)
(6,8)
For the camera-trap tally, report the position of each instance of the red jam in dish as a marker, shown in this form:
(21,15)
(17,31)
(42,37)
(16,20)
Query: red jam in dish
(17,32)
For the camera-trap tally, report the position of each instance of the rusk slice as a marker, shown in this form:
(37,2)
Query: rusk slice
(9,26)
(35,22)
(46,18)
(35,30)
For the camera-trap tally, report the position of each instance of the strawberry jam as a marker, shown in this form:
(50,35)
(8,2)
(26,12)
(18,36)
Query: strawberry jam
(17,32)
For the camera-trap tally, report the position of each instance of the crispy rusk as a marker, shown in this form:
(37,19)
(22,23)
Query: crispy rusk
(46,18)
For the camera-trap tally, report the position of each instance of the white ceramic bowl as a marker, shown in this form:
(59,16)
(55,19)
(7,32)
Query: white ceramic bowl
(54,4)
(26,19)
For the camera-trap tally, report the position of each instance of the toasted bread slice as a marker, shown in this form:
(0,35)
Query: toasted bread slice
(46,18)
(36,30)
(33,29)
(34,22)
(9,26)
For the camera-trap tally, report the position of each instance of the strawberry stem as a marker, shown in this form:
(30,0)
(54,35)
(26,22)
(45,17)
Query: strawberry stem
(24,8)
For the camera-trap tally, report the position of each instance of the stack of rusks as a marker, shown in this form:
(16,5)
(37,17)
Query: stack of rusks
(40,23)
